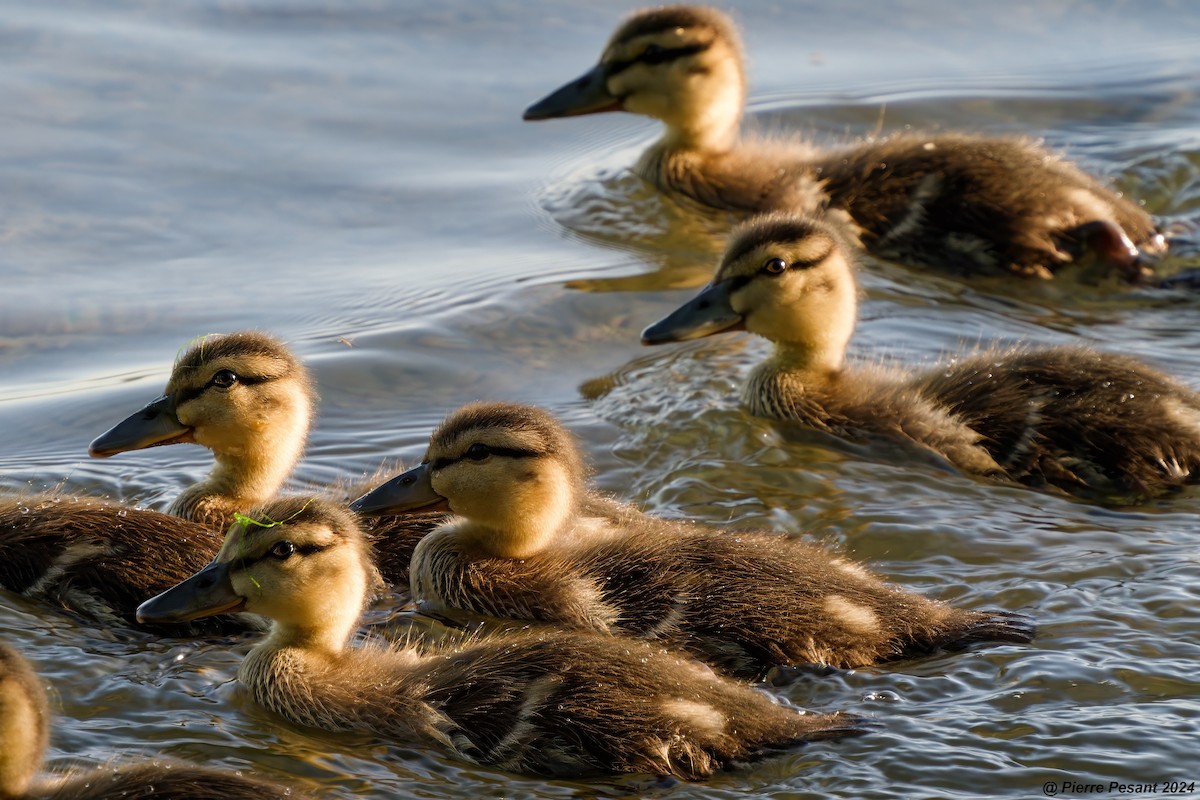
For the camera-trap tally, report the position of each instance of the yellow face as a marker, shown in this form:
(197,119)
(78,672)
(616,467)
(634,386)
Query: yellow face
(789,290)
(500,482)
(511,472)
(231,401)
(301,574)
(690,77)
(658,72)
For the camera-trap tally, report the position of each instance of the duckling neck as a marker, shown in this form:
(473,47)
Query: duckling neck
(328,639)
(240,478)
(710,134)
(537,518)
(791,385)
(817,360)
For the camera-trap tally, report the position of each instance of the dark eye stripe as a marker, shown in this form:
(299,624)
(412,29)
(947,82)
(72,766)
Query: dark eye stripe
(508,452)
(301,549)
(192,394)
(657,57)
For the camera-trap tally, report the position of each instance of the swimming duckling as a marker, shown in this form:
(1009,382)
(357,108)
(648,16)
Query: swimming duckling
(247,398)
(1089,423)
(25,733)
(530,541)
(100,560)
(963,203)
(550,703)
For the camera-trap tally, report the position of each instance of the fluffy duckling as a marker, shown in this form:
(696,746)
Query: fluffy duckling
(964,203)
(530,541)
(25,733)
(1089,423)
(242,395)
(549,703)
(99,560)
(247,398)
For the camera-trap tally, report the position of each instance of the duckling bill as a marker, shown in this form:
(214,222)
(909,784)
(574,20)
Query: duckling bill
(957,202)
(529,540)
(1097,425)
(554,703)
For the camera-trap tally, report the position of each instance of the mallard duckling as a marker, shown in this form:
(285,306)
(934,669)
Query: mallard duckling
(247,398)
(549,703)
(25,733)
(100,560)
(530,541)
(1087,422)
(244,396)
(963,203)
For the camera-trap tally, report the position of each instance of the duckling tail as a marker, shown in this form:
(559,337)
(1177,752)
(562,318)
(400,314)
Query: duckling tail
(835,726)
(996,626)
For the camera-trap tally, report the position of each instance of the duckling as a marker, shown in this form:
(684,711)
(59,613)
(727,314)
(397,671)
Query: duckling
(1073,419)
(530,541)
(547,703)
(99,560)
(25,733)
(958,202)
(242,395)
(247,398)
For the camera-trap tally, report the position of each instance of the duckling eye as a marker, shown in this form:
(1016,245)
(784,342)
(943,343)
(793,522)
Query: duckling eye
(282,550)
(224,379)
(478,452)
(654,54)
(775,266)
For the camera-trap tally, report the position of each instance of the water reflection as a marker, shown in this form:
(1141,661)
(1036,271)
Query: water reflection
(331,173)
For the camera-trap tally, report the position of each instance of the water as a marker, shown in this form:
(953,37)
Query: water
(356,179)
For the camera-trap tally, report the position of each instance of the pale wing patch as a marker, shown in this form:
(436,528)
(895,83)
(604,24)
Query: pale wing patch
(698,716)
(80,551)
(855,617)
(852,569)
(928,189)
(511,748)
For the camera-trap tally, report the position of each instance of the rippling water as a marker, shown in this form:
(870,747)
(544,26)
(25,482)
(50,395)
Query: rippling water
(355,177)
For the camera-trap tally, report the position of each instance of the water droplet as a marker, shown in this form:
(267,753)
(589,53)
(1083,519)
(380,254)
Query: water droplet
(122,513)
(884,696)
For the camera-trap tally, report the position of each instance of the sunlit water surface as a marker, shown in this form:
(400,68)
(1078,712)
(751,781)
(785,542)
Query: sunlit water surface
(355,178)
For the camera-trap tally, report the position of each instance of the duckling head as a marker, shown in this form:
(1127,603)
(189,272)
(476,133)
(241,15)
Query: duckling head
(24,723)
(679,64)
(511,471)
(302,562)
(244,396)
(786,278)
